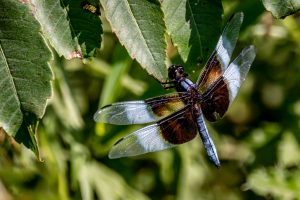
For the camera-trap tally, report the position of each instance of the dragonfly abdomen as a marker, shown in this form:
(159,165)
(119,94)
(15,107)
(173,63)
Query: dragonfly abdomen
(207,141)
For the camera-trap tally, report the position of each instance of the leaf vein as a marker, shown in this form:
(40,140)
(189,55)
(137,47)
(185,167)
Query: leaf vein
(7,69)
(196,28)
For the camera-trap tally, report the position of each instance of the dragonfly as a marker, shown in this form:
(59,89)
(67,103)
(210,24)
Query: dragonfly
(179,117)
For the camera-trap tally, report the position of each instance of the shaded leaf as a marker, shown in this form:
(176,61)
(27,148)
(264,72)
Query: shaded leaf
(194,26)
(140,28)
(85,25)
(24,73)
(252,10)
(27,134)
(282,8)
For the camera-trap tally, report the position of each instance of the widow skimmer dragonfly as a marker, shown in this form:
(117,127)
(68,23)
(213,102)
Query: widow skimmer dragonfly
(178,116)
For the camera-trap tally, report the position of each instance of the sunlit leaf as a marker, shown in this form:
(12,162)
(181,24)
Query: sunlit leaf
(24,73)
(95,178)
(56,27)
(71,30)
(288,151)
(282,8)
(140,28)
(276,182)
(63,100)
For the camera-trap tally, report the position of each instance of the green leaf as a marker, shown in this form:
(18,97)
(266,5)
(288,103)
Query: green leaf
(252,10)
(276,182)
(194,26)
(96,179)
(288,150)
(282,8)
(140,28)
(24,72)
(27,134)
(63,100)
(56,27)
(135,86)
(72,31)
(85,25)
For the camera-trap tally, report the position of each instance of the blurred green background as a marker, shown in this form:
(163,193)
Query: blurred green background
(257,140)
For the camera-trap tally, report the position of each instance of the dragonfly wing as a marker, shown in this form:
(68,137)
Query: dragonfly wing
(140,112)
(220,58)
(228,39)
(147,139)
(220,95)
(175,129)
(238,70)
(130,112)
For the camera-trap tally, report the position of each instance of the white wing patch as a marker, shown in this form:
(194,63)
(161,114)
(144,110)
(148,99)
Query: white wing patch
(130,112)
(227,40)
(147,139)
(238,69)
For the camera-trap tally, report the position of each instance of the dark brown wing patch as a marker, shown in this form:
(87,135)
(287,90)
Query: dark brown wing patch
(211,73)
(216,101)
(179,127)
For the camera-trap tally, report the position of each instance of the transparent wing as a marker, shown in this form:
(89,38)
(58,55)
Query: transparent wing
(175,129)
(147,139)
(228,39)
(131,112)
(140,112)
(238,70)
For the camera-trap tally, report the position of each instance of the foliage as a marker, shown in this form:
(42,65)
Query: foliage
(281,9)
(258,139)
(25,74)
(139,26)
(190,30)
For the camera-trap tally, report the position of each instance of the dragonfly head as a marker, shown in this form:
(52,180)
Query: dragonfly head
(176,72)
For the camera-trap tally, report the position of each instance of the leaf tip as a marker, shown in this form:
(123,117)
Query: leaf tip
(74,54)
